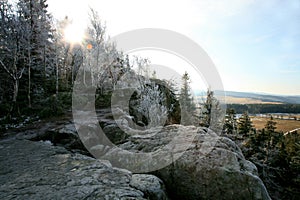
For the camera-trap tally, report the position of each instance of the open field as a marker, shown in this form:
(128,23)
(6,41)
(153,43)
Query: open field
(243,100)
(284,125)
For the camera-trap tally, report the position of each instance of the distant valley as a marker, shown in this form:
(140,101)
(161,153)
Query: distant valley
(256,98)
(255,103)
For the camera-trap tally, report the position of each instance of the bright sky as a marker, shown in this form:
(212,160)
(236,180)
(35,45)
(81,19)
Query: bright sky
(254,44)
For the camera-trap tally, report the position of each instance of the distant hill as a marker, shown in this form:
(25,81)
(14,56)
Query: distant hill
(256,98)
(265,98)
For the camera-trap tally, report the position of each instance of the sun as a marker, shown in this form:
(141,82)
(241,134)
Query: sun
(74,33)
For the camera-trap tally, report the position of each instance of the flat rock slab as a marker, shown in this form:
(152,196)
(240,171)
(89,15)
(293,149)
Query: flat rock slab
(37,170)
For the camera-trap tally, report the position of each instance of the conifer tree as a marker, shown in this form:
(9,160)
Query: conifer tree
(230,125)
(211,113)
(270,125)
(187,104)
(35,18)
(244,124)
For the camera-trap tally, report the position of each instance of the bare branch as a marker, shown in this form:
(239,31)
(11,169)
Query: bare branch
(6,69)
(21,73)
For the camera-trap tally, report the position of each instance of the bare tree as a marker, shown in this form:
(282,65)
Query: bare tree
(102,60)
(13,36)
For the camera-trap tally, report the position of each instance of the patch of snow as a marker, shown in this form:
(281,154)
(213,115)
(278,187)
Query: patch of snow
(48,142)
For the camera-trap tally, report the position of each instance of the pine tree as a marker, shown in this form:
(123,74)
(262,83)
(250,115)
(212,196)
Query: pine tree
(211,113)
(230,125)
(207,109)
(244,124)
(270,126)
(187,104)
(34,15)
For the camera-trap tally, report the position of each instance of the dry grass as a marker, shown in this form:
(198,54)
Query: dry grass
(240,100)
(282,124)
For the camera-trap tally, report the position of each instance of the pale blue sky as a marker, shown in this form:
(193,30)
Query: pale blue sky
(258,48)
(255,44)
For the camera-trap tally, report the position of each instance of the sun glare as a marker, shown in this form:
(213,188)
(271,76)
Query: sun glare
(74,33)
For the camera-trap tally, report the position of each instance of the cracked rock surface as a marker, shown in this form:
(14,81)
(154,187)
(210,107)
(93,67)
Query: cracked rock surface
(38,170)
(212,167)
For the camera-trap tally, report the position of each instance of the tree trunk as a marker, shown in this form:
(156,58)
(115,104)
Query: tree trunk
(16,90)
(57,74)
(84,74)
(45,67)
(13,109)
(29,81)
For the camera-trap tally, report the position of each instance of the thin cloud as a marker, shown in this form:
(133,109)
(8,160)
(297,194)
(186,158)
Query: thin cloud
(289,71)
(262,38)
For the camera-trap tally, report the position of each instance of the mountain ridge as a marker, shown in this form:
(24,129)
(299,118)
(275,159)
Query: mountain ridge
(289,99)
(254,98)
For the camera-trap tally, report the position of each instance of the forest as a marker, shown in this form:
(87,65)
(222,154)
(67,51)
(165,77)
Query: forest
(39,68)
(275,153)
(265,108)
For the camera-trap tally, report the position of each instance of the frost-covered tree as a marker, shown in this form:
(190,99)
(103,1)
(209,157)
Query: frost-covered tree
(12,39)
(151,101)
(67,58)
(34,16)
(103,64)
(152,105)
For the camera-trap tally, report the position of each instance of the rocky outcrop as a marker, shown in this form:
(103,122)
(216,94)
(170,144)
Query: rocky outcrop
(210,167)
(206,170)
(63,133)
(38,170)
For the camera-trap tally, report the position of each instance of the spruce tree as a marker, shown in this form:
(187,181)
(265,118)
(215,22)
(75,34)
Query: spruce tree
(187,104)
(270,126)
(211,113)
(244,124)
(230,125)
(205,117)
(35,18)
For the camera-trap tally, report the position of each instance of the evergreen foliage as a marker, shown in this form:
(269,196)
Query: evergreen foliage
(244,124)
(230,126)
(265,108)
(211,113)
(187,104)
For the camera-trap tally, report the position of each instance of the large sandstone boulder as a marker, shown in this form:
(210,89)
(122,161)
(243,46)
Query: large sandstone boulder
(150,185)
(211,167)
(38,170)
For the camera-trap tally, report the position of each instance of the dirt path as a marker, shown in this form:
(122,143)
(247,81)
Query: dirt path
(292,131)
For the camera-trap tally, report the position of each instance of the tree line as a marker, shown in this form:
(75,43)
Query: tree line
(38,65)
(265,108)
